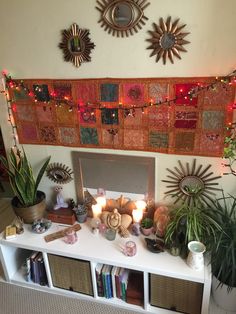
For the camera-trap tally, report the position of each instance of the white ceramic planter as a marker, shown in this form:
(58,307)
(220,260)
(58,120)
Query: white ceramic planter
(222,298)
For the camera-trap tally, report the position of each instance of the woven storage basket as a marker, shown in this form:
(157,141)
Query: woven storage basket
(176,294)
(71,274)
(31,213)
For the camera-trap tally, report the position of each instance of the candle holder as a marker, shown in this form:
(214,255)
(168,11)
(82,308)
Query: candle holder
(110,234)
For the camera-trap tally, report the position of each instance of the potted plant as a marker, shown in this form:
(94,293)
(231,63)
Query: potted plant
(28,202)
(189,222)
(81,213)
(146,226)
(222,247)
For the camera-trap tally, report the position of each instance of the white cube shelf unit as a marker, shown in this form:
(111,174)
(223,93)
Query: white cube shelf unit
(159,270)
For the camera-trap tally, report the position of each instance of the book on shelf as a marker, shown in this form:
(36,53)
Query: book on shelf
(113,280)
(135,288)
(98,271)
(33,267)
(124,282)
(104,282)
(43,281)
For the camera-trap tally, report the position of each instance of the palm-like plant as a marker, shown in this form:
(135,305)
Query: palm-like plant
(223,245)
(190,222)
(22,180)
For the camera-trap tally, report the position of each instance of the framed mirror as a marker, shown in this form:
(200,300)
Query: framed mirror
(190,183)
(167,40)
(131,176)
(76,45)
(122,17)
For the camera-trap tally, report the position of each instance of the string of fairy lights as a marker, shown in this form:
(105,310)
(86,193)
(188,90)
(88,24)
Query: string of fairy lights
(129,110)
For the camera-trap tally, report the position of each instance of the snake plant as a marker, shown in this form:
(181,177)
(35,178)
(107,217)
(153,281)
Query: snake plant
(21,176)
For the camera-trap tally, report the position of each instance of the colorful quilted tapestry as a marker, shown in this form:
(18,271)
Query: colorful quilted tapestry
(166,115)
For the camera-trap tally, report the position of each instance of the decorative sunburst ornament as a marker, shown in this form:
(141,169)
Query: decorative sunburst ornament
(76,45)
(167,40)
(59,173)
(122,17)
(190,184)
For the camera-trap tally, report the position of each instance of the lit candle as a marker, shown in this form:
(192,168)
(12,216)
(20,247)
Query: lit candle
(101,201)
(97,210)
(141,205)
(137,215)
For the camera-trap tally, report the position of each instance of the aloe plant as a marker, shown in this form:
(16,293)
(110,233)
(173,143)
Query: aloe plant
(223,245)
(22,180)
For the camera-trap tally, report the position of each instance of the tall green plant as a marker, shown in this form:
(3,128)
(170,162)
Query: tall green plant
(22,180)
(223,245)
(190,222)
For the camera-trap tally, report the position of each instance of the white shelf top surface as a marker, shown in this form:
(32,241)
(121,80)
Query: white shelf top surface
(97,249)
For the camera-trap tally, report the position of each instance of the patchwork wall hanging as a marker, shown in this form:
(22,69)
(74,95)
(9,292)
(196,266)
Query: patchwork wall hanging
(167,115)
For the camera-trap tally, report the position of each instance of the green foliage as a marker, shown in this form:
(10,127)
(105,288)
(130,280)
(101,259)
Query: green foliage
(146,223)
(22,180)
(190,223)
(223,244)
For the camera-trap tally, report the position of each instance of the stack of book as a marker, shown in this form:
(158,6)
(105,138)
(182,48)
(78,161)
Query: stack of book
(112,281)
(34,269)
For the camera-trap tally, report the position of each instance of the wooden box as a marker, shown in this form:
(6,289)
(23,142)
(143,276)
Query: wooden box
(71,274)
(62,215)
(176,294)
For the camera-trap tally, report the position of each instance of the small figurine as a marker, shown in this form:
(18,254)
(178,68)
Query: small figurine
(60,200)
(19,224)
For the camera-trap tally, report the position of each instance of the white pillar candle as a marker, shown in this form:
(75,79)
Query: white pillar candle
(97,210)
(141,205)
(137,215)
(101,201)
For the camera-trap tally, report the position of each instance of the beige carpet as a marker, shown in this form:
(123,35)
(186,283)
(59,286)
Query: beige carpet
(18,300)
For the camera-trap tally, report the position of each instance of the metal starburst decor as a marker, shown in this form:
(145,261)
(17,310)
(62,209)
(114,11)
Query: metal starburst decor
(167,40)
(76,45)
(190,183)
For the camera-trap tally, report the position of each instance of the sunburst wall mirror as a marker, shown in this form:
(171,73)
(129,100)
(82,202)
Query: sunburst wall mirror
(76,45)
(188,183)
(167,40)
(122,17)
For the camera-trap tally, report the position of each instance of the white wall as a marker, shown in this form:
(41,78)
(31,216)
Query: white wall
(30,33)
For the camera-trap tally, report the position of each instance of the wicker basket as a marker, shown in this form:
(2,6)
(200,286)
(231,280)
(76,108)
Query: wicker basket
(176,294)
(31,213)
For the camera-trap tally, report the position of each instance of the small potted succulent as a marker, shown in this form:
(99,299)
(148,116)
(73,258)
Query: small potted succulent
(81,213)
(146,226)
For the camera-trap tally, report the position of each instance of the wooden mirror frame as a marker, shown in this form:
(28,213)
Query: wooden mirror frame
(137,19)
(81,43)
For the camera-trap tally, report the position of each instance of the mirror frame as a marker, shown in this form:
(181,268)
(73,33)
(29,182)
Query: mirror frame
(111,25)
(204,191)
(83,55)
(174,46)
(78,173)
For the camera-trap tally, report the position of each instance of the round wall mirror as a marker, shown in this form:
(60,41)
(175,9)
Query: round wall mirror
(191,183)
(122,14)
(122,17)
(76,45)
(167,41)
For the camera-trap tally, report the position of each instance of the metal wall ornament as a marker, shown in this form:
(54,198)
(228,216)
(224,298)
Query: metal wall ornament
(191,184)
(167,40)
(122,17)
(59,173)
(76,45)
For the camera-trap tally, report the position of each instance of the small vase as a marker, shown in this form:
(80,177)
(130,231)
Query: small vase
(195,258)
(147,231)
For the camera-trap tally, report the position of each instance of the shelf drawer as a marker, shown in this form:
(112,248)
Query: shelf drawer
(71,274)
(176,294)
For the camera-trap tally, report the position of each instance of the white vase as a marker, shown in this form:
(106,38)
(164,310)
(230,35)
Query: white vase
(224,299)
(195,258)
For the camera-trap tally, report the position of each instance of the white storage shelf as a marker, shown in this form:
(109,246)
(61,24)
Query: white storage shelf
(97,249)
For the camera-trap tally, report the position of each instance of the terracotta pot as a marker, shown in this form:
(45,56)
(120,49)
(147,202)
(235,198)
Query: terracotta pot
(31,213)
(224,299)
